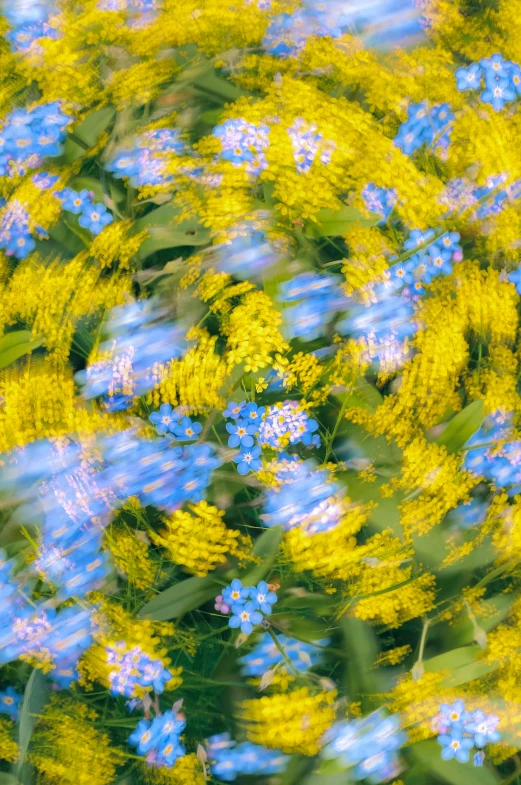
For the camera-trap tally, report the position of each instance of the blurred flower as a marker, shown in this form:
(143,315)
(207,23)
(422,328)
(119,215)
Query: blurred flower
(229,760)
(425,125)
(10,701)
(368,746)
(307,498)
(243,142)
(266,655)
(160,739)
(287,423)
(134,668)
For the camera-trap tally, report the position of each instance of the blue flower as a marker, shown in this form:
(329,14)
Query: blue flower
(234,410)
(245,616)
(73,201)
(496,67)
(265,655)
(235,593)
(243,143)
(95,217)
(263,597)
(241,433)
(515,78)
(484,728)
(455,745)
(498,94)
(515,278)
(469,78)
(379,200)
(186,430)
(164,419)
(9,702)
(142,737)
(253,413)
(248,460)
(367,745)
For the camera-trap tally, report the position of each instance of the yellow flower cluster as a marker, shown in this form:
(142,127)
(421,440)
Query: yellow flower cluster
(196,380)
(292,722)
(131,557)
(67,748)
(8,746)
(199,540)
(252,332)
(330,554)
(187,770)
(114,244)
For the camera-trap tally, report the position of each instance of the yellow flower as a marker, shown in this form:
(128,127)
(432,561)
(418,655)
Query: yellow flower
(292,722)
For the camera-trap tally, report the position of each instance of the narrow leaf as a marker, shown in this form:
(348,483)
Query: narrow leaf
(15,338)
(180,598)
(35,698)
(15,352)
(336,223)
(266,549)
(462,426)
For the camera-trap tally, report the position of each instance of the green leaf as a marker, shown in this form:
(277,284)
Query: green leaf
(166,237)
(12,348)
(160,217)
(330,766)
(8,779)
(211,116)
(35,698)
(361,645)
(452,771)
(216,86)
(321,604)
(463,664)
(266,548)
(15,338)
(333,778)
(88,131)
(335,223)
(462,426)
(180,598)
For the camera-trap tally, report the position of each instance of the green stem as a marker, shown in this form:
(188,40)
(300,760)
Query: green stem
(282,650)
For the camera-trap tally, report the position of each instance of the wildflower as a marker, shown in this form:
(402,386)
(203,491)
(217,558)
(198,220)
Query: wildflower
(469,78)
(307,143)
(379,200)
(484,728)
(248,460)
(10,701)
(241,433)
(235,594)
(244,143)
(75,201)
(228,759)
(186,430)
(368,745)
(263,597)
(497,94)
(245,615)
(455,745)
(234,410)
(308,499)
(286,423)
(95,217)
(164,419)
(266,655)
